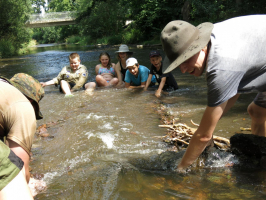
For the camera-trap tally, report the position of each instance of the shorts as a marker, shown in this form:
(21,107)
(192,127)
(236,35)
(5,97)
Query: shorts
(260,99)
(10,165)
(71,86)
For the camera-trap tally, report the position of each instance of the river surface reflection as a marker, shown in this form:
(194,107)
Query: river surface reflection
(103,147)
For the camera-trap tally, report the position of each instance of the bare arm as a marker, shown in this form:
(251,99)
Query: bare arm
(51,82)
(127,85)
(97,69)
(230,103)
(118,73)
(148,81)
(160,88)
(24,156)
(203,135)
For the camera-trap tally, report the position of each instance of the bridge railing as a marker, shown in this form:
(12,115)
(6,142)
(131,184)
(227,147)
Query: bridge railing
(53,16)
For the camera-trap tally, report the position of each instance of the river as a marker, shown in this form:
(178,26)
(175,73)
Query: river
(104,146)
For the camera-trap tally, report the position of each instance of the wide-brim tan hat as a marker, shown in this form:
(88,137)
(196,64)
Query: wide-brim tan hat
(181,40)
(123,49)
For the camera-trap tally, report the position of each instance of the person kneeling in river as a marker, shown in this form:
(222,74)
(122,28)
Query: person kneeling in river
(232,53)
(137,75)
(106,75)
(71,78)
(19,109)
(166,81)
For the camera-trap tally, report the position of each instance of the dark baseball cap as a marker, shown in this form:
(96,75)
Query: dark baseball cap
(154,53)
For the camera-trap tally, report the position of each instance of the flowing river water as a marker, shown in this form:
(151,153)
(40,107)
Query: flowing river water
(103,147)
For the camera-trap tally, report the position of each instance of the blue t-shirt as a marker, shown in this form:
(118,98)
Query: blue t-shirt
(142,76)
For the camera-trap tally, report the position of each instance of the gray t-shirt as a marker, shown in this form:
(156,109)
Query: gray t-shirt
(237,58)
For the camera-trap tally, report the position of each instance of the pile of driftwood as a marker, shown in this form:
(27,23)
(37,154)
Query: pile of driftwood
(180,134)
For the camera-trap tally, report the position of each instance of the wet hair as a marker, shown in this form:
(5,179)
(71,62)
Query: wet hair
(73,56)
(109,65)
(129,54)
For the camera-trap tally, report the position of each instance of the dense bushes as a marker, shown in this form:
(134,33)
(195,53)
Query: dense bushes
(13,15)
(103,21)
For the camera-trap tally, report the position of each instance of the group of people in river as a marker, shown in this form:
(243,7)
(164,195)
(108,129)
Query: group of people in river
(231,53)
(126,73)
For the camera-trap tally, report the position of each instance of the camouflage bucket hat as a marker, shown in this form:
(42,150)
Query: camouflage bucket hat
(31,88)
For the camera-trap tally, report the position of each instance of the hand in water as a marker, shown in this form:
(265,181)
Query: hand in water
(158,93)
(89,91)
(181,170)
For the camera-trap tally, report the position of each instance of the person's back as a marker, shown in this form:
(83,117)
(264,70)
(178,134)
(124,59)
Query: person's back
(236,61)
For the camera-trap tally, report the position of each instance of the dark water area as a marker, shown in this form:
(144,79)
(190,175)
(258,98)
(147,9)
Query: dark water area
(104,146)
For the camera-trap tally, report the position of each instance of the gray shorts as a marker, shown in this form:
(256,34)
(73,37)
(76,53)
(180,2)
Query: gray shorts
(260,99)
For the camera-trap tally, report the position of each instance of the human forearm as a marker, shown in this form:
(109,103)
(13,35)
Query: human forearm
(148,82)
(203,135)
(160,88)
(51,82)
(195,148)
(162,83)
(136,87)
(118,74)
(24,156)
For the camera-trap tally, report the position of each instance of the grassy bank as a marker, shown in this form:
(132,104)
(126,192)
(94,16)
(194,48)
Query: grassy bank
(8,49)
(133,37)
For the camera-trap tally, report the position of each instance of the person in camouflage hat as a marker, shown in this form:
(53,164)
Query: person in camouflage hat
(31,88)
(19,109)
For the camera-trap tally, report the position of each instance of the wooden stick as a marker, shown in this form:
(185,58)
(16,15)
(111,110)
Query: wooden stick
(174,139)
(194,123)
(245,129)
(222,139)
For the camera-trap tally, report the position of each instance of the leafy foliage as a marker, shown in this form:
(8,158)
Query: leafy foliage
(13,15)
(103,21)
(105,18)
(151,16)
(36,5)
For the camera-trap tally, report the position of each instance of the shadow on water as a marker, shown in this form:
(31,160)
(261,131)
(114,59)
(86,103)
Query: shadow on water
(103,147)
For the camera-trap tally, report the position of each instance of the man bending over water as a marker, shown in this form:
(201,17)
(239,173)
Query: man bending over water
(232,53)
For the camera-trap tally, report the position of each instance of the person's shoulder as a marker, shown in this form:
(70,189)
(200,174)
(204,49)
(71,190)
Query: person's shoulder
(143,68)
(83,66)
(66,68)
(98,66)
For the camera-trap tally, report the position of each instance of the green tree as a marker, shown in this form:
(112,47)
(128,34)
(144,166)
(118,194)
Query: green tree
(36,5)
(105,18)
(13,33)
(151,16)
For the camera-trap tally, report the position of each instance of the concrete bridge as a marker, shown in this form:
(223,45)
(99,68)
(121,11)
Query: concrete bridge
(51,19)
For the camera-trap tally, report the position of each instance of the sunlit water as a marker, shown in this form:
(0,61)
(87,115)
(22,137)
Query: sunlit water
(103,147)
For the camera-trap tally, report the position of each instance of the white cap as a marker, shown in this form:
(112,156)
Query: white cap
(131,62)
